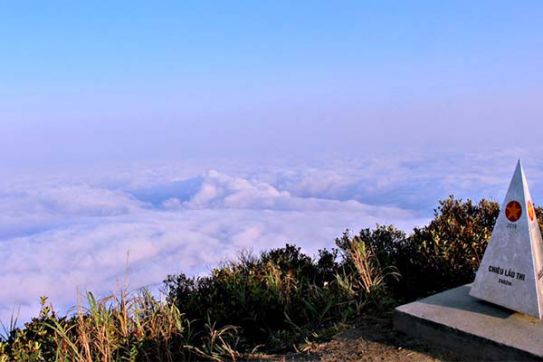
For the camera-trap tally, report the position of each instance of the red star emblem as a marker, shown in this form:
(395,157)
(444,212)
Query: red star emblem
(513,210)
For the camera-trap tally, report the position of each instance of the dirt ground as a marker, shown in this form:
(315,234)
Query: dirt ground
(370,340)
(375,340)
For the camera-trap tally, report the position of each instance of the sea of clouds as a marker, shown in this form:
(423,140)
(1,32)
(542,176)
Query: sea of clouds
(131,226)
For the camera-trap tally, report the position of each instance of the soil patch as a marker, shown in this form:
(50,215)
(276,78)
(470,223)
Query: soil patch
(369,340)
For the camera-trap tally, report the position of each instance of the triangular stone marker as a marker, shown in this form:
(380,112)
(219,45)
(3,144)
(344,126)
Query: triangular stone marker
(511,273)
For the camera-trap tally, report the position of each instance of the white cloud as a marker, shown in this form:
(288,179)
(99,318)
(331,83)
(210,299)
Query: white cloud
(64,235)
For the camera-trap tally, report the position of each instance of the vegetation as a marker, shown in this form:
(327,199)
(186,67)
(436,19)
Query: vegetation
(280,300)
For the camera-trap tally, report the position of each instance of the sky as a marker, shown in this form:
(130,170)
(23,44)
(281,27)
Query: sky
(132,80)
(140,138)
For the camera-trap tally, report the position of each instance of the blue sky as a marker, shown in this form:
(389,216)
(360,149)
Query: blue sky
(179,132)
(132,80)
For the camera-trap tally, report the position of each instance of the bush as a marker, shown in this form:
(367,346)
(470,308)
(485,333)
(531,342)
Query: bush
(447,252)
(277,299)
(444,254)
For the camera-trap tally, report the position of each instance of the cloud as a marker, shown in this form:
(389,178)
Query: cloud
(65,235)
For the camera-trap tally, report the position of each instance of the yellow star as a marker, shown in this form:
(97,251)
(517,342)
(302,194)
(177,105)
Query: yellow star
(531,211)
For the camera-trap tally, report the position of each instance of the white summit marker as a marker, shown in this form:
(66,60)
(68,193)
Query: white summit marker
(511,272)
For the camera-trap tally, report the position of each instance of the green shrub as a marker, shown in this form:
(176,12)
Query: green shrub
(447,252)
(282,293)
(444,254)
(35,342)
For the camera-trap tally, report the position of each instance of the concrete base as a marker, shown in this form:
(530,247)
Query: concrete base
(471,328)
